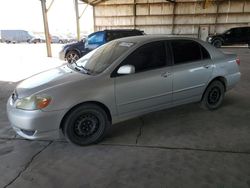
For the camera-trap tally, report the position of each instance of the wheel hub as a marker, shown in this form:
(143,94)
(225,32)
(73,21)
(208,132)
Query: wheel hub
(72,58)
(86,125)
(214,96)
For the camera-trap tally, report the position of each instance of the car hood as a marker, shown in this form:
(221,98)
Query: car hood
(52,78)
(215,34)
(74,44)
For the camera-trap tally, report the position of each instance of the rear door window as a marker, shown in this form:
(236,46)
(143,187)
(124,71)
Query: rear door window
(236,32)
(185,51)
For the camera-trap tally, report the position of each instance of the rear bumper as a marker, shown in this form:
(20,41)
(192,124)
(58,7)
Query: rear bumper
(232,80)
(35,124)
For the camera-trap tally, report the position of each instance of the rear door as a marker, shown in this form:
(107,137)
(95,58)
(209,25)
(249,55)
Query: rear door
(235,36)
(191,70)
(246,35)
(151,84)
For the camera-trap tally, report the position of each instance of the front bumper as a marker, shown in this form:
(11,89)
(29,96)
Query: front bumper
(35,124)
(62,55)
(209,39)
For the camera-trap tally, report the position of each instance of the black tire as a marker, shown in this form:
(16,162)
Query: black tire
(86,124)
(213,96)
(72,56)
(217,43)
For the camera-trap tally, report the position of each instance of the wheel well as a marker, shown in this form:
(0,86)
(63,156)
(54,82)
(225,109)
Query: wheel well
(222,80)
(72,50)
(104,107)
(219,38)
(219,78)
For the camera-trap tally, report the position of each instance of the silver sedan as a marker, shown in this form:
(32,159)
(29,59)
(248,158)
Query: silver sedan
(120,80)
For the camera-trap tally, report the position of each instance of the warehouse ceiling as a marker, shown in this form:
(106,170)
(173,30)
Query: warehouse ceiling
(94,2)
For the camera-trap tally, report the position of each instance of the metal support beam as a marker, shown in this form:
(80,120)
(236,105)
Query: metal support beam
(173,18)
(83,10)
(46,28)
(216,16)
(50,5)
(134,14)
(206,3)
(94,16)
(77,20)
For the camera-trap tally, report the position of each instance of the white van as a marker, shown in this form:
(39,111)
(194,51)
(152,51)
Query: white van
(15,36)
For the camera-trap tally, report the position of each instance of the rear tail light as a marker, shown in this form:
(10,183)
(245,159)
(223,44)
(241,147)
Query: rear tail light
(238,61)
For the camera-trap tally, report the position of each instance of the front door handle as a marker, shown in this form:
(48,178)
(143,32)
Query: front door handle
(166,74)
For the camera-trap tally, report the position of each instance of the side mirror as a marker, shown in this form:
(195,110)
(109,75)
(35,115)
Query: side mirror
(126,69)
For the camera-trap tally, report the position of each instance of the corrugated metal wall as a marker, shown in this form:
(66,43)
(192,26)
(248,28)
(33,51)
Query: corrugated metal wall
(185,17)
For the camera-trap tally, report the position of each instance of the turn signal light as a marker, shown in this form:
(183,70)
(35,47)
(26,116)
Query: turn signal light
(43,103)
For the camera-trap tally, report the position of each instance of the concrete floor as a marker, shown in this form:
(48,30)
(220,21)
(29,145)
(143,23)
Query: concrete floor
(175,148)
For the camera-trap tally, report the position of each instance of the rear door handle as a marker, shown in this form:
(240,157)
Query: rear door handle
(166,74)
(207,66)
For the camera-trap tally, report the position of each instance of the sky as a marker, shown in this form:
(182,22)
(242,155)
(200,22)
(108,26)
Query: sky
(27,15)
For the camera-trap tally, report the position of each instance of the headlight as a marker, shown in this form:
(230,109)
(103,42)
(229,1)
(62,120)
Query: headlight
(209,39)
(34,102)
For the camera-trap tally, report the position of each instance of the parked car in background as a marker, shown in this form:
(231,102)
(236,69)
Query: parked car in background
(55,39)
(237,35)
(15,36)
(72,40)
(122,79)
(72,52)
(63,39)
(37,39)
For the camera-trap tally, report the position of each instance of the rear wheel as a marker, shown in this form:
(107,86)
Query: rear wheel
(217,43)
(72,56)
(213,96)
(86,124)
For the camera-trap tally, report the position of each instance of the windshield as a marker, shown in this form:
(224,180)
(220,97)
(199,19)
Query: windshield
(99,59)
(227,31)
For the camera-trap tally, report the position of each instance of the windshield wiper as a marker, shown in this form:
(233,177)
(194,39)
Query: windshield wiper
(87,71)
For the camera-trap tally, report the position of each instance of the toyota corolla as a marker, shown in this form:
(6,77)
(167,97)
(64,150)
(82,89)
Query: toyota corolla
(120,80)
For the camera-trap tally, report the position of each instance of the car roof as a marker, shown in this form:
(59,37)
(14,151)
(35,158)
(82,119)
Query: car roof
(145,38)
(142,39)
(242,27)
(122,30)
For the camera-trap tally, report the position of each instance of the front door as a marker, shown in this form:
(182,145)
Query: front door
(150,86)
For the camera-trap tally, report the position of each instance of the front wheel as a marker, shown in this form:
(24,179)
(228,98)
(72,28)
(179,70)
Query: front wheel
(86,124)
(72,57)
(213,96)
(217,43)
